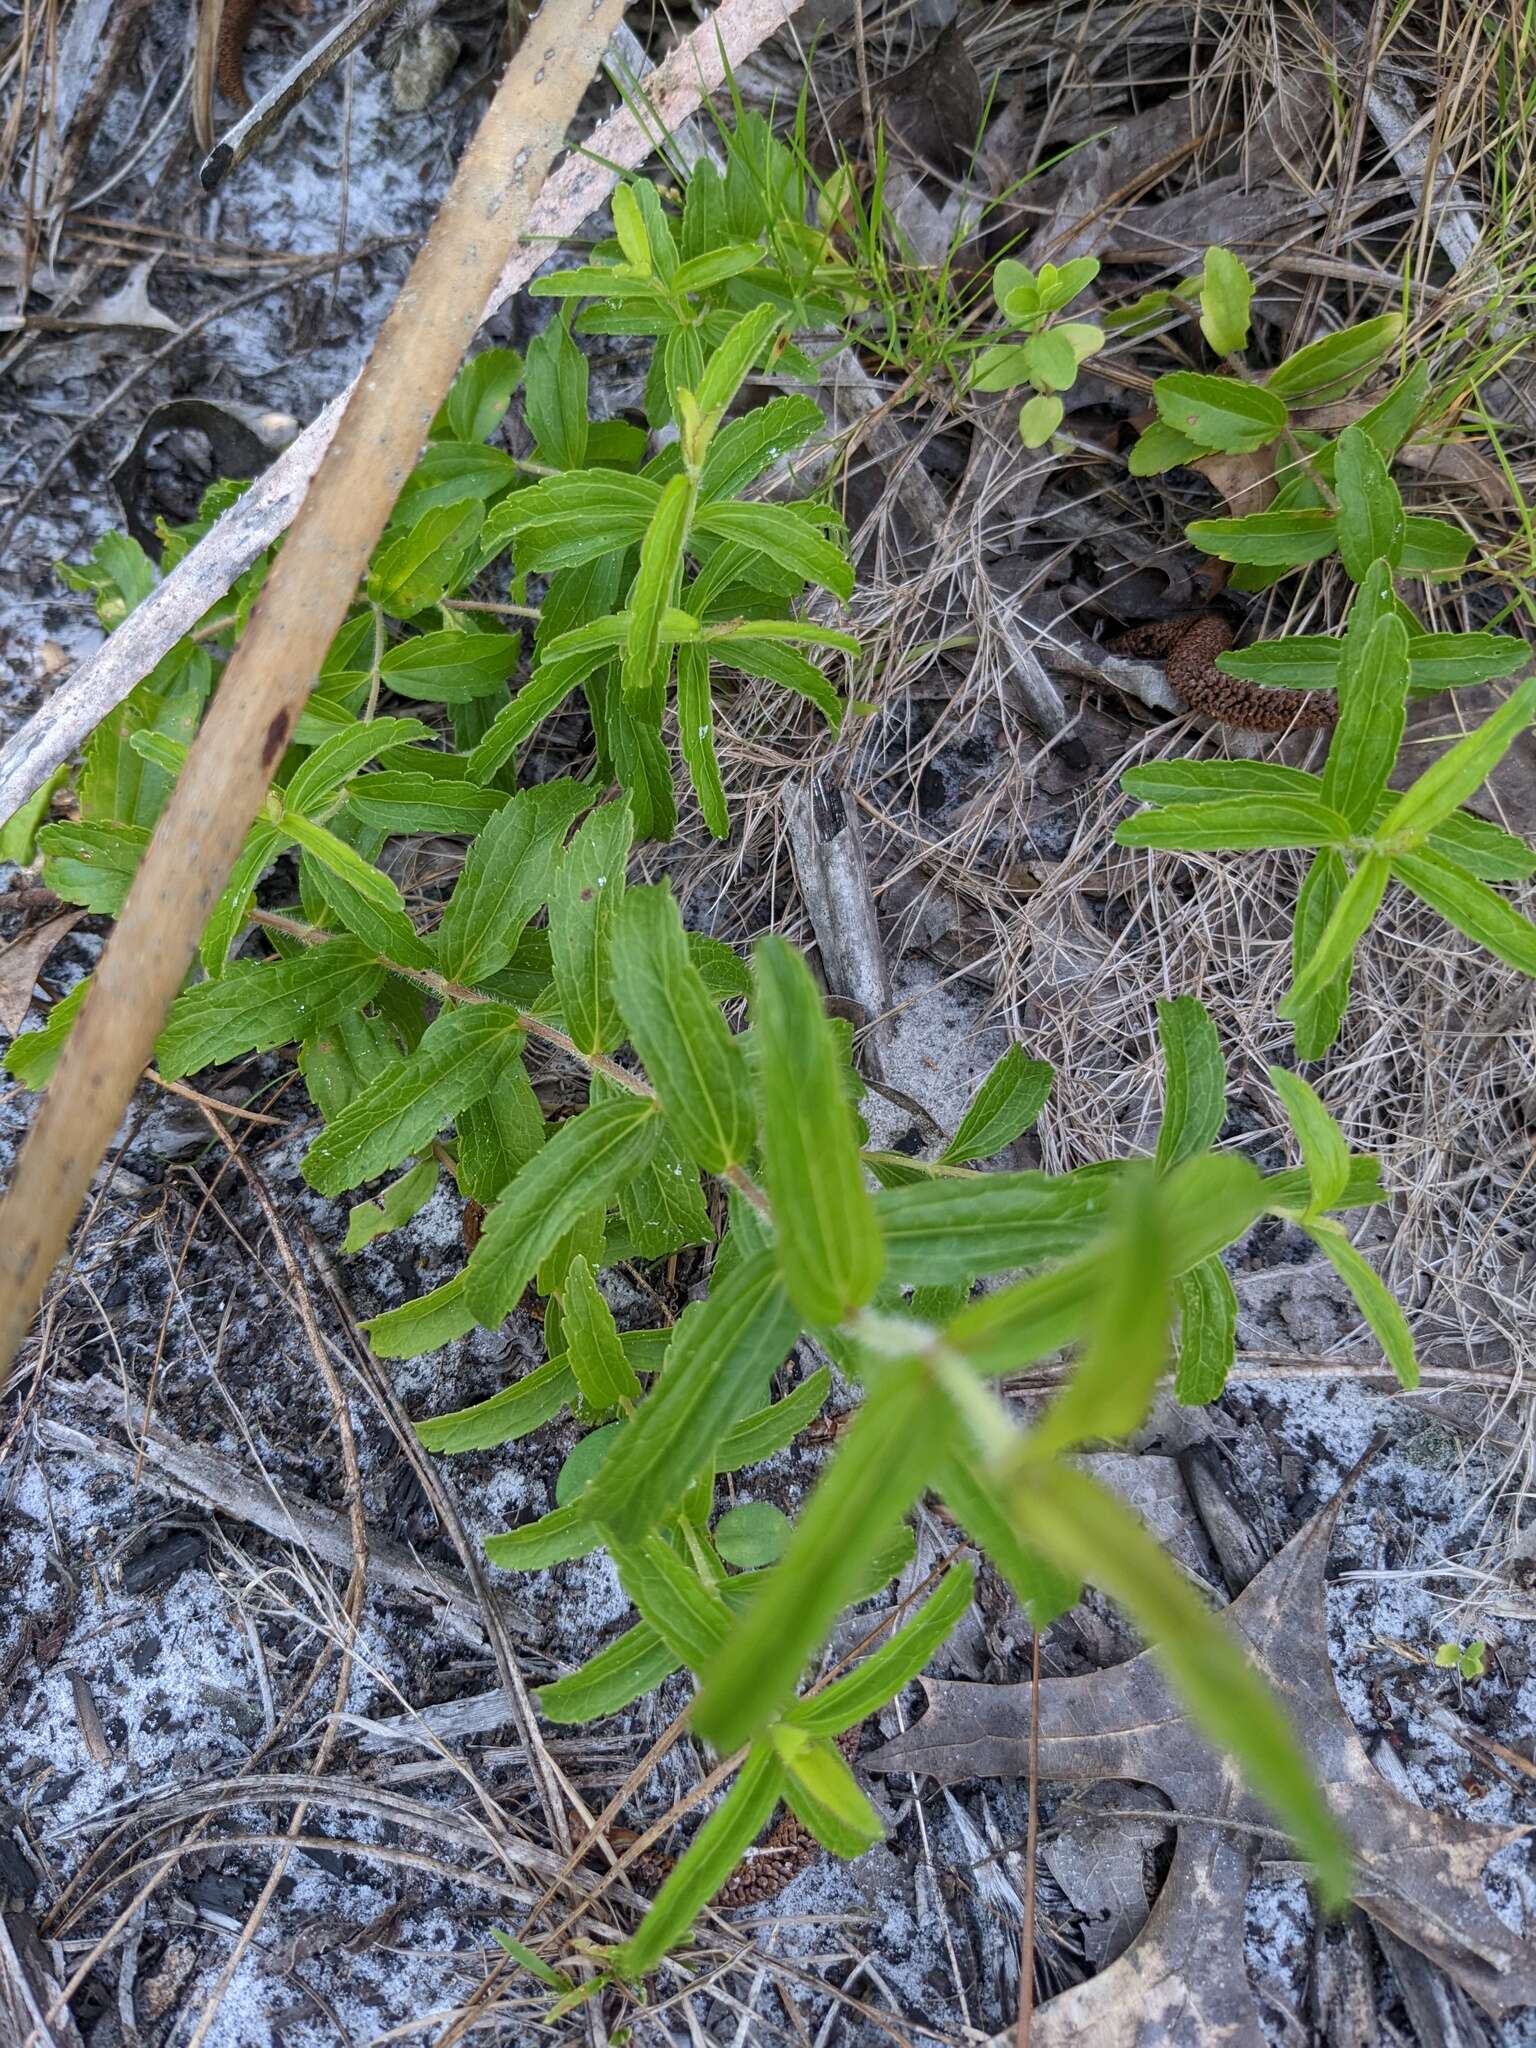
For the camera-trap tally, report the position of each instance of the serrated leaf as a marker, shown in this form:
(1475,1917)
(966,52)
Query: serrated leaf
(696,1066)
(1226,291)
(1194,1082)
(565,1532)
(744,448)
(1381,1312)
(1160,448)
(31,1056)
(756,655)
(784,537)
(718,1368)
(603,1373)
(259,1004)
(662,1207)
(92,865)
(394,1208)
(577,1168)
(881,1676)
(829,1246)
(860,1500)
(422,565)
(1220,413)
(426,1324)
(1267,540)
(1003,1107)
(958,1229)
(734,357)
(451,667)
(555,397)
(1207,1344)
(498,1134)
(1372,525)
(413,800)
(585,895)
(401,1112)
(506,877)
(1333,367)
(263,843)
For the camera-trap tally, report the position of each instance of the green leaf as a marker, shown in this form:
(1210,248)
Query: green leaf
(1299,661)
(1050,360)
(1207,1305)
(423,564)
(1323,1147)
(582,1466)
(345,754)
(263,843)
(499,1134)
(1194,1082)
(1481,848)
(1039,417)
(1373,703)
(450,667)
(696,737)
(655,586)
(479,396)
(768,1430)
(526,1959)
(824,1795)
(362,896)
(957,1229)
(399,1202)
(555,397)
(565,1532)
(829,1245)
(1236,824)
(1226,291)
(568,520)
(745,447)
(1005,1105)
(506,877)
(426,1324)
(1457,661)
(516,1411)
(450,473)
(1351,914)
(1335,366)
(1371,523)
(459,1059)
(700,272)
(1187,781)
(690,1617)
(625,1670)
(259,1004)
(1267,540)
(718,1368)
(92,865)
(734,357)
(1447,783)
(18,835)
(753,1534)
(584,901)
(706,1864)
(576,1169)
(604,1375)
(1160,448)
(850,1700)
(860,1500)
(31,1056)
(1001,366)
(1112,1385)
(662,1208)
(972,1495)
(1086,1529)
(1471,906)
(1433,547)
(1221,413)
(117,781)
(1315,1025)
(1387,1322)
(756,655)
(695,1065)
(412,800)
(784,537)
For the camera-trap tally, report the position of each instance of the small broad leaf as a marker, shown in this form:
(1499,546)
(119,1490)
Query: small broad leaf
(577,1168)
(596,1353)
(1086,1529)
(362,896)
(479,396)
(1220,413)
(718,1368)
(1226,291)
(1194,1082)
(754,1534)
(259,1004)
(696,1066)
(1160,448)
(1460,771)
(848,1701)
(829,1246)
(1039,417)
(1000,367)
(1433,547)
(1381,1312)
(1333,367)
(860,1500)
(1323,1145)
(404,1108)
(1050,361)
(586,1459)
(1372,525)
(584,900)
(1207,1345)
(710,1858)
(745,447)
(1005,1105)
(399,1202)
(1355,906)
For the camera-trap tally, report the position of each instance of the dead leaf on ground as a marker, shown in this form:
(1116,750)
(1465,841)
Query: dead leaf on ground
(1246,482)
(931,108)
(1183,1979)
(22,962)
(128,306)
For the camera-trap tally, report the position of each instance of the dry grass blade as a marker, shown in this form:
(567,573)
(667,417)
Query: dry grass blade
(306,597)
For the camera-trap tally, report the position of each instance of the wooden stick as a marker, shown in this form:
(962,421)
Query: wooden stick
(305,599)
(672,92)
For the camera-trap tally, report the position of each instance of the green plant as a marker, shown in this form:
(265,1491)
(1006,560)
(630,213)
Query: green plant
(1360,833)
(1053,351)
(1468,1661)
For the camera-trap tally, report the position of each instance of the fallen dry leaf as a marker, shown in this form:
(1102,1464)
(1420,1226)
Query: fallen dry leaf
(1419,1873)
(23,962)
